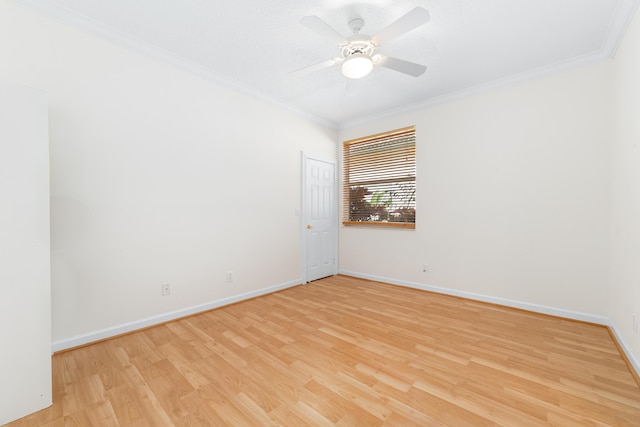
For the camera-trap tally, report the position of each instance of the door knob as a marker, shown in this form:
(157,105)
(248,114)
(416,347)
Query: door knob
(309,226)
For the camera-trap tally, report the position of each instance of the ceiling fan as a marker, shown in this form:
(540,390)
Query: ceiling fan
(357,51)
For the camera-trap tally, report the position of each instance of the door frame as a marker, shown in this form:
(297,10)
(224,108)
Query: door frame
(304,214)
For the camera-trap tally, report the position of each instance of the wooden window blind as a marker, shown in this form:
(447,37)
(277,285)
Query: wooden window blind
(379,185)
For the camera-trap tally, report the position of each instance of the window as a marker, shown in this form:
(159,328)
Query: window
(379,186)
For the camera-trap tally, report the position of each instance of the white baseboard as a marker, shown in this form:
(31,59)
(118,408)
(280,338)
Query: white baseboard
(635,363)
(600,320)
(568,314)
(101,334)
(155,320)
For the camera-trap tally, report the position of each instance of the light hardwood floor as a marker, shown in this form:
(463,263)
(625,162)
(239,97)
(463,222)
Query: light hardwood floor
(349,352)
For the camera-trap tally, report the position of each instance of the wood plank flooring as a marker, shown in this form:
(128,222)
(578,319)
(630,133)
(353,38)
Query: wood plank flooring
(348,352)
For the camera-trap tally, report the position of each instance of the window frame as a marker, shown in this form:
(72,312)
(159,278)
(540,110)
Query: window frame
(397,135)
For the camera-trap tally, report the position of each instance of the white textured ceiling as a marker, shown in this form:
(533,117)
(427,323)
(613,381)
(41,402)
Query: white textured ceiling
(253,44)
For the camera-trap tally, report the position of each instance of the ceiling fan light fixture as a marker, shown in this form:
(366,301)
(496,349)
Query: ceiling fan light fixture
(357,66)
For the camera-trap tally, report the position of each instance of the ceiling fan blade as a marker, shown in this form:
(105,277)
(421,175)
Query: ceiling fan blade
(406,67)
(319,26)
(412,20)
(315,67)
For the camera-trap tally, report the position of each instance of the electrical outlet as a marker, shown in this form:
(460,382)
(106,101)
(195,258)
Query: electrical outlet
(166,290)
(229,276)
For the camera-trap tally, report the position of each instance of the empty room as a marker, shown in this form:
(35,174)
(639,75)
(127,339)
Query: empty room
(448,234)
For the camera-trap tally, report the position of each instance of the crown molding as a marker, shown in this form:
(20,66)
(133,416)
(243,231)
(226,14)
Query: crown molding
(623,15)
(83,22)
(481,88)
(620,21)
(617,27)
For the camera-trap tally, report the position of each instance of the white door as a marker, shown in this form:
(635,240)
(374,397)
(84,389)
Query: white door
(320,218)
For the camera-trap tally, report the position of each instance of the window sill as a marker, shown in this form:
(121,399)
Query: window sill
(409,225)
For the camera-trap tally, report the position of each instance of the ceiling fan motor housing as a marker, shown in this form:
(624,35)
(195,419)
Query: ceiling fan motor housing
(358,44)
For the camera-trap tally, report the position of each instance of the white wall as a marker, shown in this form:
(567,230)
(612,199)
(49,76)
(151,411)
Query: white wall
(149,186)
(512,197)
(625,203)
(157,176)
(25,275)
